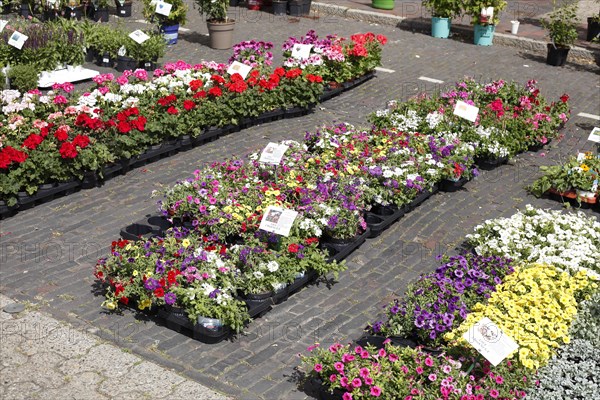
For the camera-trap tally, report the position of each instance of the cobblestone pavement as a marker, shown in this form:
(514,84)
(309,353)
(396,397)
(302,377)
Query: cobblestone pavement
(46,359)
(47,253)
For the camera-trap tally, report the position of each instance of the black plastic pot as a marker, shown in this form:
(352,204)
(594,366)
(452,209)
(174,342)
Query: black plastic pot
(306,7)
(104,60)
(101,15)
(90,55)
(447,185)
(148,65)
(296,7)
(124,10)
(280,7)
(124,63)
(234,3)
(557,56)
(50,15)
(593,29)
(73,13)
(25,11)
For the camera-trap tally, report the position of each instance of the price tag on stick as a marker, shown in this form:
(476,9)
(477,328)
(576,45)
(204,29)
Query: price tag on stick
(239,68)
(301,51)
(278,220)
(273,153)
(139,36)
(17,39)
(489,340)
(595,135)
(466,111)
(163,8)
(3,23)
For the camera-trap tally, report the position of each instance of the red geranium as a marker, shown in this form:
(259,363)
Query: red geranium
(314,78)
(81,141)
(160,292)
(62,133)
(33,141)
(9,154)
(167,100)
(200,95)
(215,91)
(68,150)
(293,248)
(196,85)
(564,98)
(124,127)
(311,240)
(172,110)
(188,105)
(293,73)
(218,79)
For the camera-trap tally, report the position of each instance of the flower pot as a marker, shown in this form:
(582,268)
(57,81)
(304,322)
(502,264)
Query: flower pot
(254,5)
(73,12)
(101,15)
(586,195)
(90,55)
(170,32)
(50,15)
(484,34)
(593,29)
(296,7)
(306,7)
(104,60)
(557,56)
(25,11)
(447,185)
(440,27)
(124,10)
(148,65)
(126,63)
(383,4)
(279,7)
(221,34)
(6,8)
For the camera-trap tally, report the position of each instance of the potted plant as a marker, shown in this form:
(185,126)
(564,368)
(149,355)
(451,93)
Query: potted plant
(148,52)
(562,30)
(484,17)
(220,27)
(27,8)
(279,7)
(72,9)
(593,27)
(107,42)
(442,12)
(23,77)
(169,24)
(50,9)
(123,8)
(100,10)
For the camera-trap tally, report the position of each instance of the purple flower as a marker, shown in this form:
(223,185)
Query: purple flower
(170,298)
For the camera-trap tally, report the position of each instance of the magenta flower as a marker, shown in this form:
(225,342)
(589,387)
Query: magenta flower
(343,381)
(393,357)
(332,377)
(494,393)
(339,366)
(60,99)
(432,377)
(375,391)
(347,396)
(419,370)
(382,353)
(318,367)
(356,382)
(347,358)
(364,372)
(369,380)
(429,362)
(499,380)
(364,354)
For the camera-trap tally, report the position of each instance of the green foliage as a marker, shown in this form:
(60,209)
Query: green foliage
(474,7)
(151,50)
(177,15)
(107,39)
(215,10)
(562,24)
(23,77)
(444,8)
(2,80)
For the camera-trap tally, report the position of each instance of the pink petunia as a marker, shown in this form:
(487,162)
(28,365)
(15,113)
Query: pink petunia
(364,372)
(356,382)
(375,391)
(318,367)
(429,362)
(347,396)
(494,393)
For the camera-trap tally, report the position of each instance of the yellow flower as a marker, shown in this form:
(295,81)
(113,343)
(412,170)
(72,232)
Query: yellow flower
(584,167)
(135,272)
(145,304)
(111,305)
(186,242)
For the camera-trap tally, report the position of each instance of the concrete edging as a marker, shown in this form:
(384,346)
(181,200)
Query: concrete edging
(577,55)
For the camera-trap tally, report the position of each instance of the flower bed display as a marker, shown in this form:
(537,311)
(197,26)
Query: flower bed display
(537,305)
(120,118)
(511,119)
(577,179)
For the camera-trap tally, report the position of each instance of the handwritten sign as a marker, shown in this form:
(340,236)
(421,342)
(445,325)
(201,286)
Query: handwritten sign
(278,220)
(273,153)
(239,68)
(466,111)
(489,340)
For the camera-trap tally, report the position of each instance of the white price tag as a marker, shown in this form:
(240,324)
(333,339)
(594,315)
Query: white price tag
(466,111)
(2,24)
(487,12)
(595,135)
(595,186)
(163,8)
(273,153)
(17,40)
(105,60)
(139,36)
(580,156)
(278,220)
(301,51)
(122,12)
(489,340)
(239,68)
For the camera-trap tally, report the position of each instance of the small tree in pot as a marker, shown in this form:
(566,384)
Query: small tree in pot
(562,30)
(442,12)
(169,24)
(485,15)
(220,27)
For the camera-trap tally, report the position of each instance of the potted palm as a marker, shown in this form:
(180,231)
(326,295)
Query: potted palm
(220,27)
(442,12)
(562,30)
(168,22)
(484,17)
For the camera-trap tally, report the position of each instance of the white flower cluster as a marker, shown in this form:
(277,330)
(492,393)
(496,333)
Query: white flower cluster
(433,119)
(406,122)
(569,241)
(310,226)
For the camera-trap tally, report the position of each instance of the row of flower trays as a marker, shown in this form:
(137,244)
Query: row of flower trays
(530,286)
(220,261)
(62,135)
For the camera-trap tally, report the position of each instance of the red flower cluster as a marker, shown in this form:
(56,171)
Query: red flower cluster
(85,121)
(33,141)
(9,154)
(293,73)
(314,78)
(62,133)
(237,84)
(196,85)
(68,150)
(167,100)
(129,119)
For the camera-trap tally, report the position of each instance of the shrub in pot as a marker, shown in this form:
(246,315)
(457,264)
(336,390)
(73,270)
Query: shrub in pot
(100,10)
(442,12)
(23,77)
(562,31)
(169,25)
(220,26)
(148,52)
(484,23)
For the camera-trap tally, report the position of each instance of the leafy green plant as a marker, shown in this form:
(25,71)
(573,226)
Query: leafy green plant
(151,50)
(562,24)
(23,77)
(2,79)
(177,15)
(444,8)
(215,10)
(107,39)
(474,8)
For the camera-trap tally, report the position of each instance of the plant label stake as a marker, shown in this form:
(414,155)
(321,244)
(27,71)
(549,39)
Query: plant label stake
(489,340)
(301,51)
(17,39)
(163,8)
(139,36)
(237,67)
(2,24)
(466,111)
(278,220)
(595,135)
